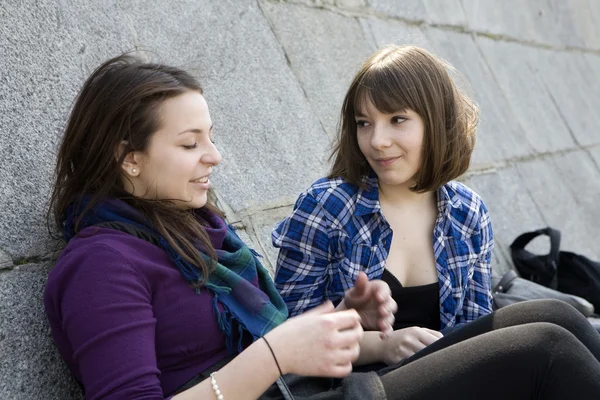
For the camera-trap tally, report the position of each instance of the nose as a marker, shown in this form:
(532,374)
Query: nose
(380,138)
(212,156)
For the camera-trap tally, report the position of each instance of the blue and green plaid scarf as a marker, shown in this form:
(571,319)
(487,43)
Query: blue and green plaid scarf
(256,310)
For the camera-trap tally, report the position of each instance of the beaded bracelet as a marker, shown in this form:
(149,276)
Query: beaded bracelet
(215,387)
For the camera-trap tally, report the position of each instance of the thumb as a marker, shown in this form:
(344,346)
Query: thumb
(324,308)
(360,287)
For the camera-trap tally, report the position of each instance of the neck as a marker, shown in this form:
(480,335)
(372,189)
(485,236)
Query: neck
(401,194)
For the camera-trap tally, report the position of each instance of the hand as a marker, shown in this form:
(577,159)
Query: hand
(374,303)
(319,342)
(405,342)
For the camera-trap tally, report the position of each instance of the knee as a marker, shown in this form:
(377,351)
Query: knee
(545,336)
(553,307)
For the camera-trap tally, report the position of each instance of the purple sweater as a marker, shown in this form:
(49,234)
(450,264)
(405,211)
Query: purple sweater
(125,321)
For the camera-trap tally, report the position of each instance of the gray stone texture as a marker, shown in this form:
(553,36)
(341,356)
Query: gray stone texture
(573,87)
(324,50)
(274,74)
(515,67)
(30,366)
(511,207)
(499,137)
(262,225)
(442,12)
(560,23)
(5,260)
(565,190)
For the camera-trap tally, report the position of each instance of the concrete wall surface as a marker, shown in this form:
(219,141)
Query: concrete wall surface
(274,74)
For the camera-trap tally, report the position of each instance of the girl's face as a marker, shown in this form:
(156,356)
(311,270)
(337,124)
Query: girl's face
(391,143)
(180,157)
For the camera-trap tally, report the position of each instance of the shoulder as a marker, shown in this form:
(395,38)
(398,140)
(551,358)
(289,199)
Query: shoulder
(100,252)
(467,210)
(327,188)
(333,196)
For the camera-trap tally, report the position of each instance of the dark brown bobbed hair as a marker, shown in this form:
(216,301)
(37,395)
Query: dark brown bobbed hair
(114,114)
(396,78)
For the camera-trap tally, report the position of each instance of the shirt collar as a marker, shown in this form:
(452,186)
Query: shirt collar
(368,199)
(447,199)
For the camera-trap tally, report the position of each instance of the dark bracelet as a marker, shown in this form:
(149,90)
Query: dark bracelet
(273,353)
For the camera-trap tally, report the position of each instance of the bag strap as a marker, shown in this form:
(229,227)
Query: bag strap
(523,240)
(518,251)
(505,282)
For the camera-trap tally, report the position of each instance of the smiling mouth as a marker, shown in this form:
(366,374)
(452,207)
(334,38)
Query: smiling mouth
(200,180)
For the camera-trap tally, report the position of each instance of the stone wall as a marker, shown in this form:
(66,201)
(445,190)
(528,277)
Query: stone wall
(274,74)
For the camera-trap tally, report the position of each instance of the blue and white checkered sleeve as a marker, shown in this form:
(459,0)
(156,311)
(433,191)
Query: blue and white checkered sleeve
(478,300)
(303,261)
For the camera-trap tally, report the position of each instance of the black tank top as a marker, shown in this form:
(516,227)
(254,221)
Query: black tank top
(417,305)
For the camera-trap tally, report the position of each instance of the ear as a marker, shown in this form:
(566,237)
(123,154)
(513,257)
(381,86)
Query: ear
(131,162)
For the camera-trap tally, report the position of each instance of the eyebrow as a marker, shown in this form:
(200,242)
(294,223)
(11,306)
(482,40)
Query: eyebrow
(194,130)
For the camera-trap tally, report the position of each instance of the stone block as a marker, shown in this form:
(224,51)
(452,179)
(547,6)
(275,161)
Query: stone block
(565,189)
(516,69)
(572,84)
(47,48)
(557,23)
(499,137)
(5,260)
(261,224)
(595,153)
(383,32)
(408,9)
(325,50)
(30,366)
(511,207)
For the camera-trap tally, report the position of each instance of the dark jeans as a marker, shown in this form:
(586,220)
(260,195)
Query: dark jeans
(541,349)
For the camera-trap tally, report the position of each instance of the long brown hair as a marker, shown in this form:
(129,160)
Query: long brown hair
(117,106)
(408,77)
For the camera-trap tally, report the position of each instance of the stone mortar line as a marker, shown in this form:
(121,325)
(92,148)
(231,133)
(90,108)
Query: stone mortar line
(558,110)
(596,163)
(34,259)
(365,13)
(532,198)
(289,62)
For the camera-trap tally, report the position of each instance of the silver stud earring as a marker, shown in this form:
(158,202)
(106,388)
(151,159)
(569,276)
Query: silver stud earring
(133,170)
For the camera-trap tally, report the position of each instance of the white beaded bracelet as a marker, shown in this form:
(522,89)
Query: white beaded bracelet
(215,387)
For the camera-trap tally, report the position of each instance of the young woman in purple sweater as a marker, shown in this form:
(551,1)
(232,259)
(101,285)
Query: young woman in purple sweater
(156,297)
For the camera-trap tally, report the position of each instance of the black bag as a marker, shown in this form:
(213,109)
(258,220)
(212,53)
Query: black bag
(561,270)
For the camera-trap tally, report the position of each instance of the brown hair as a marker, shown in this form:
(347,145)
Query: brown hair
(408,77)
(117,105)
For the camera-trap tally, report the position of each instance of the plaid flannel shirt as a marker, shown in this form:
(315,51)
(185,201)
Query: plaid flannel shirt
(337,229)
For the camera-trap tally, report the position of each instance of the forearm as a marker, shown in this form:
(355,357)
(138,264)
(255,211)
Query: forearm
(239,378)
(371,348)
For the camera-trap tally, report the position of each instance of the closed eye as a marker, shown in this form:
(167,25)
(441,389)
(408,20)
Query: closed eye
(191,147)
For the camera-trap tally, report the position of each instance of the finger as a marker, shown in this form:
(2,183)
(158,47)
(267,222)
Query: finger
(385,332)
(348,338)
(346,319)
(382,291)
(347,355)
(339,371)
(426,337)
(386,324)
(391,305)
(437,334)
(361,287)
(324,308)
